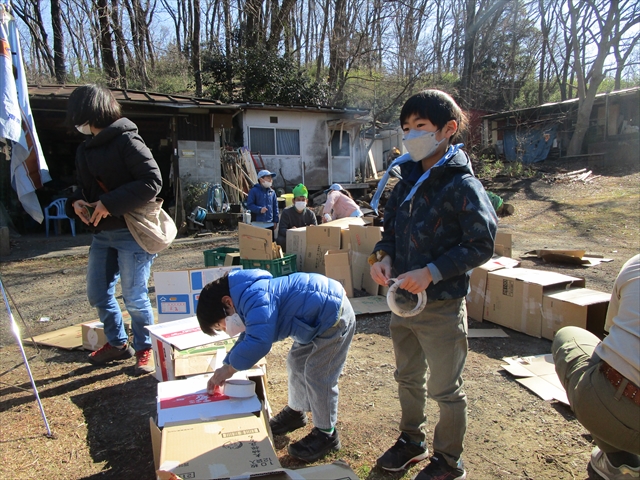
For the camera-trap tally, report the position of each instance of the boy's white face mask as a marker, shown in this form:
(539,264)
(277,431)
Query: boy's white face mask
(421,144)
(84,129)
(300,206)
(266,184)
(235,325)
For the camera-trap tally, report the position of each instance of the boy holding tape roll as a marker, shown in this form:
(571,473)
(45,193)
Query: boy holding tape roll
(311,309)
(438,225)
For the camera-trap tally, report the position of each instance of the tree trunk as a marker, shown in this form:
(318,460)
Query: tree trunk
(195,49)
(120,44)
(58,42)
(106,46)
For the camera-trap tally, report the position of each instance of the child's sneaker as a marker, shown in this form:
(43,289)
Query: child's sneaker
(315,445)
(439,469)
(603,467)
(144,361)
(402,454)
(287,421)
(108,353)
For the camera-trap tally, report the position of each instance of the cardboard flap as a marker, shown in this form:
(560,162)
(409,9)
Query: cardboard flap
(255,243)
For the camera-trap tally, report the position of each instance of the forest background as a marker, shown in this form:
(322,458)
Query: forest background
(491,55)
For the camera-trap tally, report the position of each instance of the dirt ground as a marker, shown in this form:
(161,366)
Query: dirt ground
(100,416)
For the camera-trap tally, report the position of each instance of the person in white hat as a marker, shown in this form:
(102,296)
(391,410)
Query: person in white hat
(262,199)
(339,204)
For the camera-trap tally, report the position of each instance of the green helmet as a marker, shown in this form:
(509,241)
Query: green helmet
(300,191)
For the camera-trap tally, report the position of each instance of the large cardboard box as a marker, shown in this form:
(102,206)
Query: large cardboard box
(578,307)
(337,266)
(320,239)
(168,338)
(297,244)
(514,297)
(363,241)
(255,243)
(345,224)
(478,284)
(177,292)
(220,449)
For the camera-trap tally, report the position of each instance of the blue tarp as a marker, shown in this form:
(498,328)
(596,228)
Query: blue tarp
(529,146)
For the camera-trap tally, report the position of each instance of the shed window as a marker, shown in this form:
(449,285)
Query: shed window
(274,141)
(338,150)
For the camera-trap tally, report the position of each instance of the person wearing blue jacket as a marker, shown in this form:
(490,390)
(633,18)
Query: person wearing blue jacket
(438,225)
(263,201)
(311,309)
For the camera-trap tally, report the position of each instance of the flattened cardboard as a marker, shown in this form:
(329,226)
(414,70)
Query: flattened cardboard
(255,243)
(487,333)
(538,374)
(578,307)
(363,239)
(503,244)
(338,267)
(478,284)
(570,256)
(215,450)
(68,338)
(368,305)
(297,243)
(514,297)
(338,470)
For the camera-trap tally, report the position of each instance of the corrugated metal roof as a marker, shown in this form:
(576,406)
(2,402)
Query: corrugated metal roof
(131,96)
(567,103)
(183,101)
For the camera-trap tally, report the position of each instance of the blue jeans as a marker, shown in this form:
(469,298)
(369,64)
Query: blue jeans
(314,369)
(115,255)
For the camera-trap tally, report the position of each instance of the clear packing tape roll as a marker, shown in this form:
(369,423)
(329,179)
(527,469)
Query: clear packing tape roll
(395,308)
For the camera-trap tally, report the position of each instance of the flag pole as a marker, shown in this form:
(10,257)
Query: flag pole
(16,333)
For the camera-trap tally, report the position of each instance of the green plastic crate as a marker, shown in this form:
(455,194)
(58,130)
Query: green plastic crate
(216,257)
(277,267)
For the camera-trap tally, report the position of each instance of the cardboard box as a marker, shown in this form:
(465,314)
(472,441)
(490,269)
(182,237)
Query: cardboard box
(363,239)
(578,307)
(177,292)
(255,243)
(225,448)
(503,244)
(514,297)
(169,337)
(93,336)
(320,239)
(232,258)
(338,267)
(297,243)
(345,224)
(478,284)
(187,401)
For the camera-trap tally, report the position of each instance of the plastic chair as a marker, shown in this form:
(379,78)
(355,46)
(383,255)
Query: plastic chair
(58,208)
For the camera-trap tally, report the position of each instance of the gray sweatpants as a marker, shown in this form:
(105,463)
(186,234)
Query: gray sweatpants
(314,369)
(612,420)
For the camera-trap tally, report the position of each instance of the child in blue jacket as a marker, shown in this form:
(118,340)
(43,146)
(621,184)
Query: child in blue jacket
(311,309)
(263,201)
(438,225)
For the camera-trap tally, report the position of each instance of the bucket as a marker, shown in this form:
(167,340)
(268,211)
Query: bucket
(288,199)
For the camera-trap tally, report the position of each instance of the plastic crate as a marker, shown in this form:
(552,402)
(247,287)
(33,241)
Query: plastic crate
(216,257)
(278,267)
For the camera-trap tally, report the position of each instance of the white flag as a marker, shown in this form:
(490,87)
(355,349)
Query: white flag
(29,169)
(10,118)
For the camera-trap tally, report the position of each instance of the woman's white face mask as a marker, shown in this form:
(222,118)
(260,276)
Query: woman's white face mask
(300,206)
(84,129)
(235,325)
(421,144)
